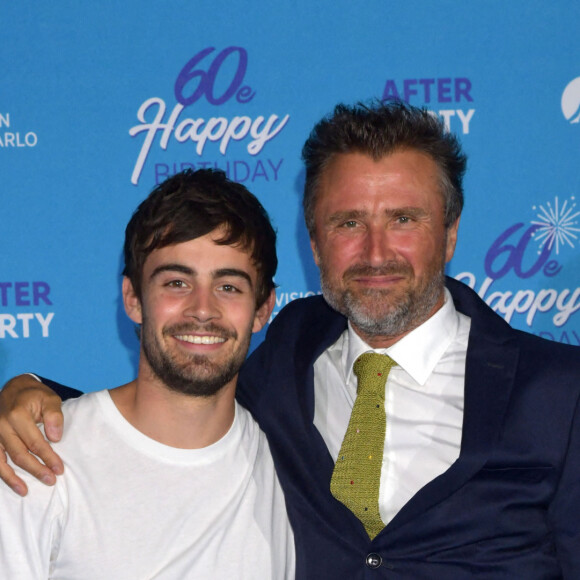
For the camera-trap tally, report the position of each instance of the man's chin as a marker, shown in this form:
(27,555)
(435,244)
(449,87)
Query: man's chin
(376,301)
(197,384)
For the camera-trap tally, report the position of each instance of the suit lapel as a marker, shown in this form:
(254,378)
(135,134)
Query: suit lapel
(492,358)
(333,518)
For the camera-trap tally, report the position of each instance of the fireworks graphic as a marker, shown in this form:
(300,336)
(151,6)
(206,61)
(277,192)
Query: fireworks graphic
(556,225)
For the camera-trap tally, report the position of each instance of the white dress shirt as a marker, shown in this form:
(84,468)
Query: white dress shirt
(423,402)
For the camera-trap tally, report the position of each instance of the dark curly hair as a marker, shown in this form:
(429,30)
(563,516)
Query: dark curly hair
(192,204)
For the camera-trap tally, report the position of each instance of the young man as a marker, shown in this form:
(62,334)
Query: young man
(477,469)
(167,476)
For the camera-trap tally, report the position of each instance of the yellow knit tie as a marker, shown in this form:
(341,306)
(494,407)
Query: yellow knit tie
(357,474)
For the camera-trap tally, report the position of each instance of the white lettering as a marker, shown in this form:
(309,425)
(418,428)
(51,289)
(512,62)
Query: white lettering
(9,324)
(508,309)
(31,139)
(26,318)
(233,133)
(465,119)
(286,297)
(528,302)
(151,129)
(44,322)
(566,308)
(14,140)
(263,136)
(539,305)
(199,132)
(447,114)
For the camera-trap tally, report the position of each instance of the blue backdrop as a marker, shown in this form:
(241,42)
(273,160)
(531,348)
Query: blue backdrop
(101,101)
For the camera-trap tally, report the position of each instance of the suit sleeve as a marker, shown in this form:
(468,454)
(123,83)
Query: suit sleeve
(62,391)
(253,379)
(564,511)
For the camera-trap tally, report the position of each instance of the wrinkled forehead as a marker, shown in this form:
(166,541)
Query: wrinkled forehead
(352,177)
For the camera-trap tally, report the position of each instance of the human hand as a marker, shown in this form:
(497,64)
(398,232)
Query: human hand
(24,402)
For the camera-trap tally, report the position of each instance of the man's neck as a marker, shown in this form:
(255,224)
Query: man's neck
(175,419)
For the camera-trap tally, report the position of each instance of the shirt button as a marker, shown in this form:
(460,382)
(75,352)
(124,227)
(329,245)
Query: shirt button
(373,561)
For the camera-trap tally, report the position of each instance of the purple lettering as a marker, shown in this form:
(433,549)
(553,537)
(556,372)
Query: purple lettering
(427,88)
(161,172)
(4,292)
(390,91)
(514,254)
(21,293)
(237,80)
(188,73)
(260,171)
(552,268)
(275,168)
(462,89)
(237,176)
(408,89)
(40,291)
(207,80)
(444,90)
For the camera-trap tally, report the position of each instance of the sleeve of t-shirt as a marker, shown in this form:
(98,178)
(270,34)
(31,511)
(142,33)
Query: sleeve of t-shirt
(62,391)
(30,529)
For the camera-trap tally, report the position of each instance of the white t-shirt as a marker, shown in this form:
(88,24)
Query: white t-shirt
(128,507)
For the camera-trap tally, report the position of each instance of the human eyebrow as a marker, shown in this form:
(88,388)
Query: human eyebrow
(414,212)
(228,272)
(180,268)
(344,216)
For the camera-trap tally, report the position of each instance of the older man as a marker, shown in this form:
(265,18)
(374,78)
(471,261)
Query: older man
(414,432)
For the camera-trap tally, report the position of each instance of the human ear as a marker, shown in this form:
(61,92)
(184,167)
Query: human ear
(315,253)
(264,312)
(451,240)
(131,302)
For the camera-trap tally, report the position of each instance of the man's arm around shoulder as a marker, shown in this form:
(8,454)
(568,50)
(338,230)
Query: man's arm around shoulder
(25,402)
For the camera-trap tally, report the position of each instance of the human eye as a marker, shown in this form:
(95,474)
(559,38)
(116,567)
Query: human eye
(350,224)
(175,283)
(405,219)
(229,289)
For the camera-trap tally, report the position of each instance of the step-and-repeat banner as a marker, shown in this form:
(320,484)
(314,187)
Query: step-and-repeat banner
(101,101)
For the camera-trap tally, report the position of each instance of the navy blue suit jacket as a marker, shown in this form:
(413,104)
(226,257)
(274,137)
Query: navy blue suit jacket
(508,508)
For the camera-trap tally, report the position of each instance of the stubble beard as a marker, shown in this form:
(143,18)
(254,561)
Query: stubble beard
(380,312)
(192,374)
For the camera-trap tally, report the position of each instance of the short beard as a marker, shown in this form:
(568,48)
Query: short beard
(197,376)
(369,315)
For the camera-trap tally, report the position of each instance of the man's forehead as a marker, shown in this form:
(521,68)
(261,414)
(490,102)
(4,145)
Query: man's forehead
(406,170)
(359,161)
(206,250)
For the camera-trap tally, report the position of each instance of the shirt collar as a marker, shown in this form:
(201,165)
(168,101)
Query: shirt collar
(416,353)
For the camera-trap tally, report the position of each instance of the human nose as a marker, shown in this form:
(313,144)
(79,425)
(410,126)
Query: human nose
(378,246)
(201,305)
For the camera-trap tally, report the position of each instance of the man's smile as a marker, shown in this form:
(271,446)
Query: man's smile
(196,339)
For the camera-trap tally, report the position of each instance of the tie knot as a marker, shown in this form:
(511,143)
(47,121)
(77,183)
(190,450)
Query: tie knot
(372,369)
